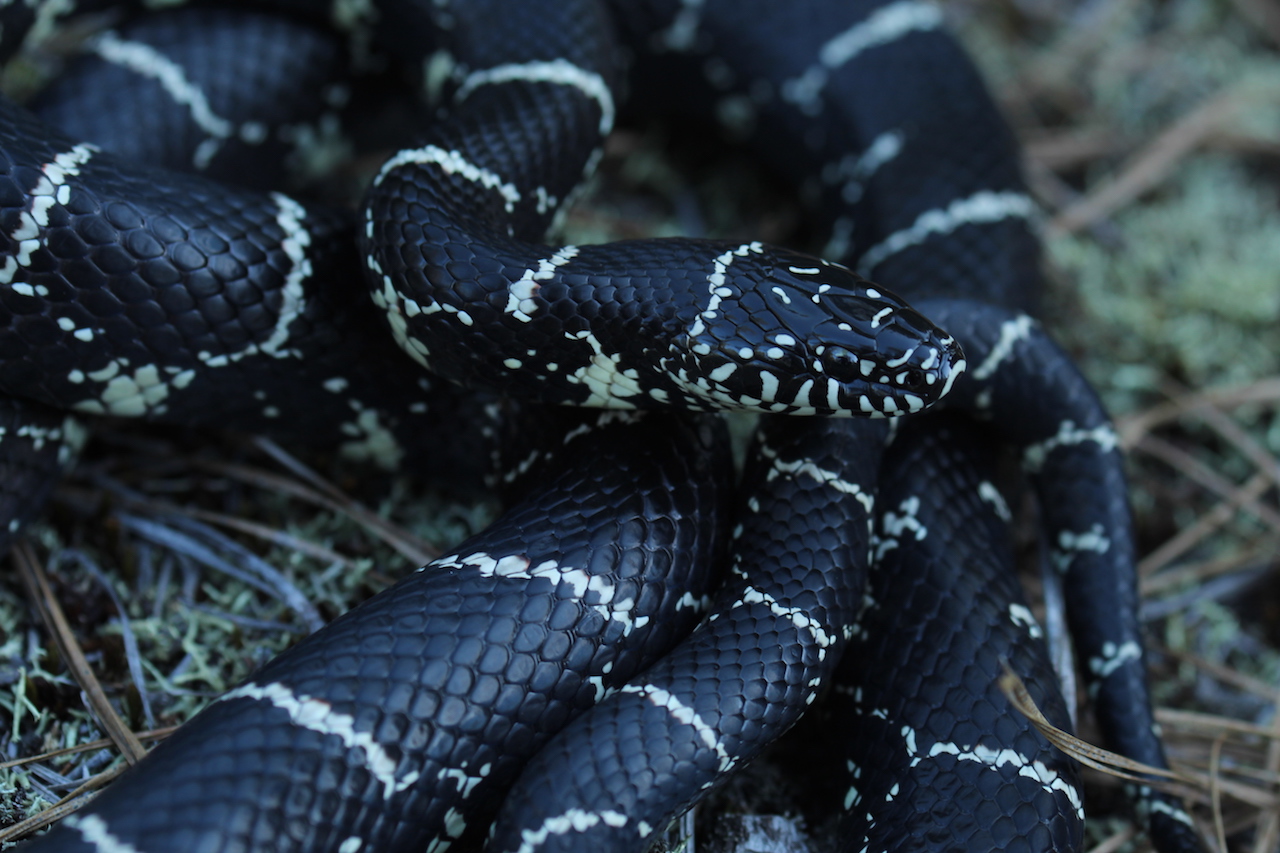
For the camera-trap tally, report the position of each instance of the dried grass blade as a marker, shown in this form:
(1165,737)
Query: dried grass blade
(400,540)
(1154,162)
(87,746)
(133,657)
(72,802)
(55,620)
(1197,573)
(300,470)
(255,572)
(1096,757)
(1117,841)
(1215,791)
(1262,14)
(1132,428)
(1200,473)
(240,525)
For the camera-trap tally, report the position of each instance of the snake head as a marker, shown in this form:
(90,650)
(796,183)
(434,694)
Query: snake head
(786,332)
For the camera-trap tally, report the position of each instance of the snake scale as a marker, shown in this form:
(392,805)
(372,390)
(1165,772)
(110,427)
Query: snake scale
(580,672)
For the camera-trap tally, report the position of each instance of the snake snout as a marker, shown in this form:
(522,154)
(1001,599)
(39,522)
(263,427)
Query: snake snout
(914,366)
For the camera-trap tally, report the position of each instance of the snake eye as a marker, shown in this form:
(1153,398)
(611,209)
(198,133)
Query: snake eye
(840,364)
(912,379)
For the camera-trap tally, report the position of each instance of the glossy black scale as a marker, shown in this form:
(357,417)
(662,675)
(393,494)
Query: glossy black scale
(277,112)
(447,230)
(773,636)
(882,121)
(904,126)
(185,301)
(1070,454)
(982,256)
(945,763)
(457,674)
(978,239)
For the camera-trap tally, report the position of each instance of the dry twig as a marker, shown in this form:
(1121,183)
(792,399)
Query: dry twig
(41,595)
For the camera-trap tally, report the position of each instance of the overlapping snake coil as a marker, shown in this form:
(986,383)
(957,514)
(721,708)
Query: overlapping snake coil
(634,626)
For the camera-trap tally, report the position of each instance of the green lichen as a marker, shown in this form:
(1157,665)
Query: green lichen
(1192,291)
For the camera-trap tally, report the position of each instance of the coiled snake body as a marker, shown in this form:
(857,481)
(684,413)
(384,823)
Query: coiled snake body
(403,724)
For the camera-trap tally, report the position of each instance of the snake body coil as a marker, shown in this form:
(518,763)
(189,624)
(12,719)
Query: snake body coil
(401,725)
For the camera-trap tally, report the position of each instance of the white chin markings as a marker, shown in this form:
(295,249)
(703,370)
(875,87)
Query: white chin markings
(890,405)
(956,369)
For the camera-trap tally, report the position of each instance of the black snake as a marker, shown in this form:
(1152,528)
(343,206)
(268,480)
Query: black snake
(187,294)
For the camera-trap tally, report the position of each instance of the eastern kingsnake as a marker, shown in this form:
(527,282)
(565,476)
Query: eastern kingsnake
(188,294)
